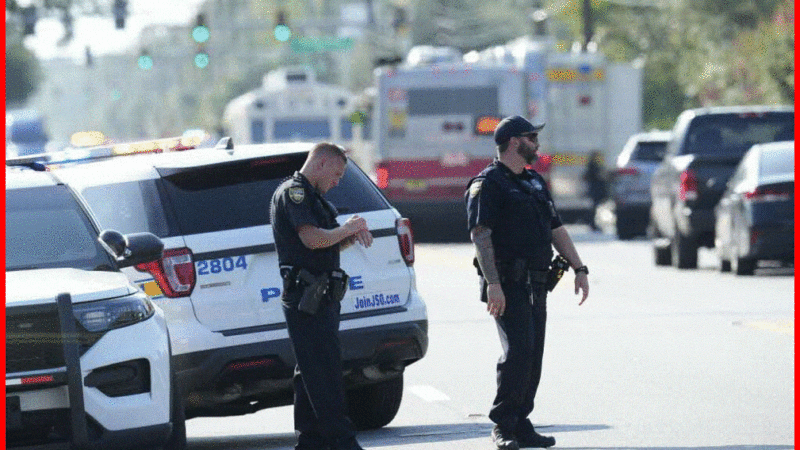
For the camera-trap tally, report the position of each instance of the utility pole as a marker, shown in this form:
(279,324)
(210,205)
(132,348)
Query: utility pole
(588,25)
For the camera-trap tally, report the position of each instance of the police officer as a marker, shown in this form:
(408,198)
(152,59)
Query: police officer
(514,225)
(308,240)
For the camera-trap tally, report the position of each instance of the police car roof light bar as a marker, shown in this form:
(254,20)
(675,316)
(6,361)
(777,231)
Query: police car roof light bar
(82,154)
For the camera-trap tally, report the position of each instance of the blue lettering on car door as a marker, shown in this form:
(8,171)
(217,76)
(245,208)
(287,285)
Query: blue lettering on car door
(270,293)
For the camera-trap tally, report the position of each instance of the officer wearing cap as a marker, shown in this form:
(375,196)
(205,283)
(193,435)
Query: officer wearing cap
(514,225)
(308,240)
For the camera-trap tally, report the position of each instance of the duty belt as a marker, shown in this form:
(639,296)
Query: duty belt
(292,273)
(518,270)
(315,287)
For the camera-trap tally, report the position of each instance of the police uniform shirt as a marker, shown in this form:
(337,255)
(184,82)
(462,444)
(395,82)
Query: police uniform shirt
(518,209)
(296,203)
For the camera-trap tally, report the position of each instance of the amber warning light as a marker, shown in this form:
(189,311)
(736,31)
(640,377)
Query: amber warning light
(485,125)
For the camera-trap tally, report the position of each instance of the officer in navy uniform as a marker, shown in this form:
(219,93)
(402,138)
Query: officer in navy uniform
(514,225)
(308,240)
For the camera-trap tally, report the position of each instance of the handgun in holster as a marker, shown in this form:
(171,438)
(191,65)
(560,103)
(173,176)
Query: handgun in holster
(338,284)
(314,289)
(558,266)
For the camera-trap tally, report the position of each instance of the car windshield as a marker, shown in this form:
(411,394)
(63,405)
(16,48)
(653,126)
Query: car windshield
(46,228)
(733,134)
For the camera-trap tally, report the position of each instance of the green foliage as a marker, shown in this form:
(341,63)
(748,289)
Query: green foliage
(23,72)
(698,52)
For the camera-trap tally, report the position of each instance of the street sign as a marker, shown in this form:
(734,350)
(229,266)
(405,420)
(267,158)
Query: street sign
(321,44)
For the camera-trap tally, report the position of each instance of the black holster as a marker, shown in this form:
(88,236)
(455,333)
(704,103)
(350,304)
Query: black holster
(338,284)
(558,266)
(314,289)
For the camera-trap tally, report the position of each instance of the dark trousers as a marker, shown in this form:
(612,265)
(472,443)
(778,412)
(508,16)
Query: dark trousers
(319,400)
(522,331)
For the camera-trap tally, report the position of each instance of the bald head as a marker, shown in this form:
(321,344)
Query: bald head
(325,166)
(326,150)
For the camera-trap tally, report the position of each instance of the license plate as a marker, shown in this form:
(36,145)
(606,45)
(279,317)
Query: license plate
(13,413)
(416,185)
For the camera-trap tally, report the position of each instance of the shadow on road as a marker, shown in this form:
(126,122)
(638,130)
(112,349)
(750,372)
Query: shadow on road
(384,437)
(711,447)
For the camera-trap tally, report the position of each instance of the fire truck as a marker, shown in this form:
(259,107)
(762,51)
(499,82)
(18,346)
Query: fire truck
(434,120)
(433,131)
(587,102)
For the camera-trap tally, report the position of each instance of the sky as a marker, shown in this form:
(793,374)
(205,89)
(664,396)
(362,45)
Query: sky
(99,34)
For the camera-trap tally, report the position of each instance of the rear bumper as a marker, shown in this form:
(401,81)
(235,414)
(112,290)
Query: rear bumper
(773,243)
(697,223)
(265,369)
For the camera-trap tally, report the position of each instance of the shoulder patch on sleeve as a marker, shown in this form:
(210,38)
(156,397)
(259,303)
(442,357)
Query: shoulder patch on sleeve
(475,187)
(297,194)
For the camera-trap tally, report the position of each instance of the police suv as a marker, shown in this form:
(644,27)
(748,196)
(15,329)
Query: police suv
(219,282)
(87,352)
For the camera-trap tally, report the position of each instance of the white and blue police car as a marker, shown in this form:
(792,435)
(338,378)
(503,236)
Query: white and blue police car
(219,283)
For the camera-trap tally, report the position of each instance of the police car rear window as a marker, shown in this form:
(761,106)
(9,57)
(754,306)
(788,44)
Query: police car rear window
(237,195)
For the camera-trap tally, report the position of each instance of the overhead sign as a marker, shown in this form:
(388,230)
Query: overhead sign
(321,44)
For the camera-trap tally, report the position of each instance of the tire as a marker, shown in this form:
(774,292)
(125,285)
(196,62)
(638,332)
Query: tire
(374,406)
(684,252)
(724,265)
(625,231)
(745,266)
(663,255)
(177,439)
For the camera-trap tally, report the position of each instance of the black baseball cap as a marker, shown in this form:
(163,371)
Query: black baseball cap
(513,126)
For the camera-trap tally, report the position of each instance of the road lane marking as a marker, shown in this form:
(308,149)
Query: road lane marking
(429,394)
(777,326)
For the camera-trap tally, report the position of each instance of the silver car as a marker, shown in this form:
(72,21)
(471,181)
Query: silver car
(630,181)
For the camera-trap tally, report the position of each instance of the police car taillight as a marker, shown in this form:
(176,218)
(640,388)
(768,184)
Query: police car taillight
(406,239)
(174,272)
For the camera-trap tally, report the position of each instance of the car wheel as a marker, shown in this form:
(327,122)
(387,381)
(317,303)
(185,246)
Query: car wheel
(625,231)
(663,255)
(177,439)
(375,405)
(745,266)
(684,252)
(724,265)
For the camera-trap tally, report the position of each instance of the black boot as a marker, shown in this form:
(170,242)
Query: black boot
(504,439)
(531,439)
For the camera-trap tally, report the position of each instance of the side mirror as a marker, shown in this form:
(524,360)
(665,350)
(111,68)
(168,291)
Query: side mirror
(132,249)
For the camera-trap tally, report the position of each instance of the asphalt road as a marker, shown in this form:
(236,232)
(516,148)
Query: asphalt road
(656,359)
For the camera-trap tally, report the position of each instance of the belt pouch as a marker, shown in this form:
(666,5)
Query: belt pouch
(314,288)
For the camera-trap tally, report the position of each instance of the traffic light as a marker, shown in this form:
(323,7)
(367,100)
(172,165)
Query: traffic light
(145,61)
(28,20)
(201,58)
(200,32)
(120,12)
(282,30)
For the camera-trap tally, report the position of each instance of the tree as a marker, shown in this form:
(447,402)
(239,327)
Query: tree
(700,52)
(23,72)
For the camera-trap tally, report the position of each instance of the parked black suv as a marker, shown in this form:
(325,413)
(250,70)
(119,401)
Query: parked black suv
(706,146)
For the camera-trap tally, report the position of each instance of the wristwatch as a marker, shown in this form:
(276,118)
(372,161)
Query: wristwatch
(583,269)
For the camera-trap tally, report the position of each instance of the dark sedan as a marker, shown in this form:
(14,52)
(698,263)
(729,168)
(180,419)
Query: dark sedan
(755,217)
